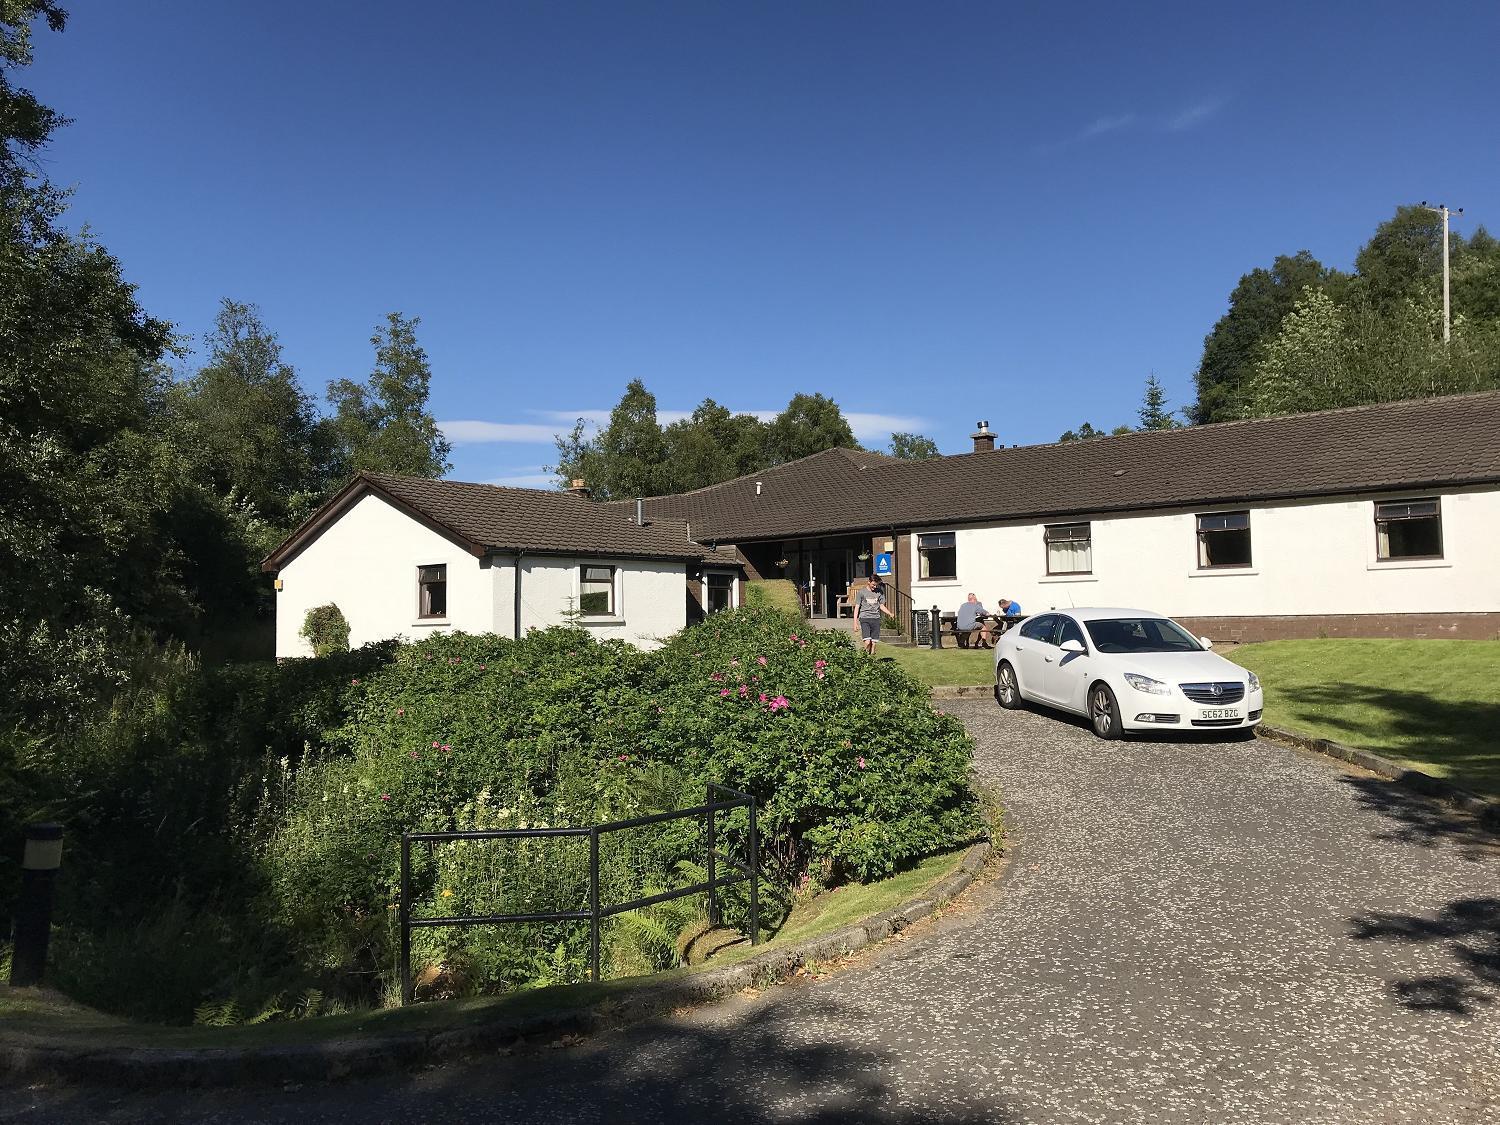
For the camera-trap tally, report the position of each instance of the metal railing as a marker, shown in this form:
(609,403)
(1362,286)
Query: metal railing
(596,912)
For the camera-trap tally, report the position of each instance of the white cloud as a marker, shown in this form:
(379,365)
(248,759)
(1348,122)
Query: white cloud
(525,480)
(879,427)
(1195,114)
(466,431)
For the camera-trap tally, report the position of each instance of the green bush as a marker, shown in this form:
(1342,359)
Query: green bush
(326,629)
(773,593)
(855,773)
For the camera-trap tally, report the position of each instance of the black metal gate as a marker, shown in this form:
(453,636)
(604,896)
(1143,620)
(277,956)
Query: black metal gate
(596,912)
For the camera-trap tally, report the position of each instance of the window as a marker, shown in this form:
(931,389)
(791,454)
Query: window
(718,592)
(1040,628)
(1224,540)
(1408,529)
(596,591)
(432,591)
(1069,631)
(1070,549)
(937,556)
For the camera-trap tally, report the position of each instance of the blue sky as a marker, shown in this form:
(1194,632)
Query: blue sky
(932,212)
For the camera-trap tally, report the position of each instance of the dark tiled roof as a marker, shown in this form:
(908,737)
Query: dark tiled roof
(1415,444)
(488,517)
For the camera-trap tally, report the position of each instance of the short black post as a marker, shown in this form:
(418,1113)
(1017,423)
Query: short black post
(405,908)
(936,629)
(713,898)
(754,878)
(594,904)
(39,864)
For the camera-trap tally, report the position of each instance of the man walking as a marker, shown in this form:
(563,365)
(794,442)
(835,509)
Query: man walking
(869,604)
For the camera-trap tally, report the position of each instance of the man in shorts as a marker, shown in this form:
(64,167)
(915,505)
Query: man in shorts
(869,604)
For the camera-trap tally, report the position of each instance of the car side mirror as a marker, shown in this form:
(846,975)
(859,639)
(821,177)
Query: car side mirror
(1205,642)
(1072,644)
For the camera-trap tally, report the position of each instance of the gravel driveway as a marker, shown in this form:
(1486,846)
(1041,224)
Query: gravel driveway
(1224,932)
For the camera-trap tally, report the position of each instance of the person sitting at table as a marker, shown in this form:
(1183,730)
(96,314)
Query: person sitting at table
(1009,608)
(966,624)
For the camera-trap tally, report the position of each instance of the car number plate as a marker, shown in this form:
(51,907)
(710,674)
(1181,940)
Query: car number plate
(1221,713)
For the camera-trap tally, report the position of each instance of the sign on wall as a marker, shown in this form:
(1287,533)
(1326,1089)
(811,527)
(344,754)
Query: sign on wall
(883,563)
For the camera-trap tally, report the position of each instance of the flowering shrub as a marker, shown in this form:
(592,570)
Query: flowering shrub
(855,773)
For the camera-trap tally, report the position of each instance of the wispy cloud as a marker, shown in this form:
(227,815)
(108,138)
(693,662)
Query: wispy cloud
(466,431)
(867,427)
(1102,125)
(1194,115)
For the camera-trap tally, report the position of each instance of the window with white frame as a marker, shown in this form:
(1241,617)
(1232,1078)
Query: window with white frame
(937,555)
(596,591)
(432,590)
(1070,548)
(718,591)
(1409,529)
(1223,540)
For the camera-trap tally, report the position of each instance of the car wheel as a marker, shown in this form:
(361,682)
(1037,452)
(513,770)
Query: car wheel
(1104,712)
(1007,691)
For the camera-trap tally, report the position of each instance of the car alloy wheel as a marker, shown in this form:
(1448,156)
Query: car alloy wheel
(1104,713)
(1007,694)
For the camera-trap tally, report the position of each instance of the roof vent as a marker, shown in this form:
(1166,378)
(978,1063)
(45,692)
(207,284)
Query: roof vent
(640,512)
(579,488)
(984,438)
(757,488)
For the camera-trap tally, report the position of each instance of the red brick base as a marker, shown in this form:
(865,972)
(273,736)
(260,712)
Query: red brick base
(1465,626)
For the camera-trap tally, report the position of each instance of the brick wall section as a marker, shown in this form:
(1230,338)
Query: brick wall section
(1461,626)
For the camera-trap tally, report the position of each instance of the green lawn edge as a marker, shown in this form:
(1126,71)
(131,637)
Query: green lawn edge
(47,1014)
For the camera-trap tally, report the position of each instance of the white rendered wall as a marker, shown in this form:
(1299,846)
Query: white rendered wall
(1308,557)
(366,563)
(650,596)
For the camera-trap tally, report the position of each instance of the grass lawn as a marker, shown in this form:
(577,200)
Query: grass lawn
(43,1012)
(1433,704)
(945,667)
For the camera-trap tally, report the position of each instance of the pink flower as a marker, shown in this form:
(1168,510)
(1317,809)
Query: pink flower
(481,667)
(861,763)
(724,691)
(715,676)
(354,681)
(400,710)
(761,660)
(734,663)
(385,796)
(794,638)
(780,703)
(623,758)
(762,697)
(447,749)
(435,745)
(416,754)
(820,664)
(744,690)
(819,673)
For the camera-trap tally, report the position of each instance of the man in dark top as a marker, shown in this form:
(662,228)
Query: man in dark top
(869,604)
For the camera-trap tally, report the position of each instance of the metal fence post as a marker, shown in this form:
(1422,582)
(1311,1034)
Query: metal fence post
(754,877)
(406,991)
(713,898)
(594,904)
(936,629)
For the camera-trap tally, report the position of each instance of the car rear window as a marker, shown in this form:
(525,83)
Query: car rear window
(1140,634)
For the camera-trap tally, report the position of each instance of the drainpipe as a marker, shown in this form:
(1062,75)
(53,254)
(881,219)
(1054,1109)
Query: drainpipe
(517,616)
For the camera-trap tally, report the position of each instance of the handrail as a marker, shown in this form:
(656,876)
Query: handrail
(595,912)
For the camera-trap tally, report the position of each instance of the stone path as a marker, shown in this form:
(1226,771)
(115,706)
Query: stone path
(1216,933)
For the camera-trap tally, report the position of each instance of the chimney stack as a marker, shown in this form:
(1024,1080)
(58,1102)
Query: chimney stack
(579,489)
(984,439)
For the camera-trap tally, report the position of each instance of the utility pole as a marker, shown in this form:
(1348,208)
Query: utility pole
(1442,209)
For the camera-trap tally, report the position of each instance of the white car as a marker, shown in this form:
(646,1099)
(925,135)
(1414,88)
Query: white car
(1124,669)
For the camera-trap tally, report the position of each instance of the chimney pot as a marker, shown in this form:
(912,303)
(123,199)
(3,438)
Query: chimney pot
(579,488)
(640,512)
(983,437)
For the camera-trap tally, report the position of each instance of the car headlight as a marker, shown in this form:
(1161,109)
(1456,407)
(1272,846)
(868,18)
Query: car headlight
(1147,684)
(1254,682)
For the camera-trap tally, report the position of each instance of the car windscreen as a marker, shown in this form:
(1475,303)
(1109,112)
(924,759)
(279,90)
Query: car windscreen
(1140,634)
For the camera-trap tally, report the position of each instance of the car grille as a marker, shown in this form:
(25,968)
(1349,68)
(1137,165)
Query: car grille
(1213,694)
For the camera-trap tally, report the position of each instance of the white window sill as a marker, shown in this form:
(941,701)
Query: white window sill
(1056,578)
(1409,564)
(1226,572)
(431,623)
(587,621)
